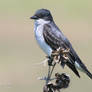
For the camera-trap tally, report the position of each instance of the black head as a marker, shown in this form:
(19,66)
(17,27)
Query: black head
(42,14)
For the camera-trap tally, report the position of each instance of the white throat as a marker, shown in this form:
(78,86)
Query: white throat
(41,22)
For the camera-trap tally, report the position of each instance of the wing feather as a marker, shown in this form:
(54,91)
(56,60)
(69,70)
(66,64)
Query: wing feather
(55,42)
(55,39)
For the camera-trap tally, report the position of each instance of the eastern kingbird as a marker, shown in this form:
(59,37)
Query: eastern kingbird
(50,38)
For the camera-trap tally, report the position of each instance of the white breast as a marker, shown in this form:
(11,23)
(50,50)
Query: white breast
(39,37)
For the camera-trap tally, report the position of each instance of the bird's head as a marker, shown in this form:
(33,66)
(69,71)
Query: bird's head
(42,14)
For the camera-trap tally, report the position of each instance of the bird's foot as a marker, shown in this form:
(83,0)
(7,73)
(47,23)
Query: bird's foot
(50,60)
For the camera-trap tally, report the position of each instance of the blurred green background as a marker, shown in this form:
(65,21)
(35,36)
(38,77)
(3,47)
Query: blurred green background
(19,52)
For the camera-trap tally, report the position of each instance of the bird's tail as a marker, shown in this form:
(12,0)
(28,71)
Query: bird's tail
(88,73)
(73,68)
(84,68)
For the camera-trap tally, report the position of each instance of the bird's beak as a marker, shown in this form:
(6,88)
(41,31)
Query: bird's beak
(34,17)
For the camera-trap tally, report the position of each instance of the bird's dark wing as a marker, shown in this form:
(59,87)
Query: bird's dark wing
(51,39)
(55,41)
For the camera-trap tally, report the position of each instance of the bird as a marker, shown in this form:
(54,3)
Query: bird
(50,38)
